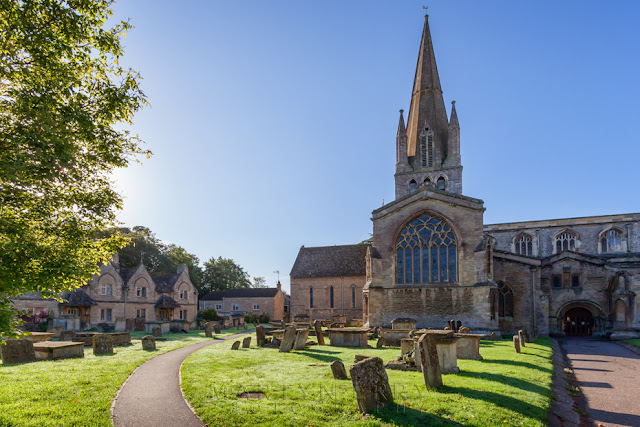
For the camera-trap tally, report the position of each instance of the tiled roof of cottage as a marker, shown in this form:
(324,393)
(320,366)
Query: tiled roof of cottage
(330,261)
(251,293)
(164,282)
(77,298)
(165,301)
(213,296)
(127,273)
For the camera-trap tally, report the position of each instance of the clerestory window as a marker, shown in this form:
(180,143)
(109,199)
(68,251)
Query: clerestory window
(524,244)
(565,241)
(426,252)
(611,241)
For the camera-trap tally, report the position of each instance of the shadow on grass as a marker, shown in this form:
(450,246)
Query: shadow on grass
(507,402)
(516,363)
(400,415)
(323,355)
(503,379)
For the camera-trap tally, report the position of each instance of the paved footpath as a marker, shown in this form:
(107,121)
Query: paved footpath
(609,377)
(152,396)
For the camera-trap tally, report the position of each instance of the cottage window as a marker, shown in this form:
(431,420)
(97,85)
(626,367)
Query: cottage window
(141,313)
(218,306)
(426,252)
(524,244)
(310,297)
(105,314)
(331,296)
(141,292)
(183,294)
(235,307)
(107,290)
(565,241)
(183,314)
(505,300)
(611,241)
(256,307)
(353,296)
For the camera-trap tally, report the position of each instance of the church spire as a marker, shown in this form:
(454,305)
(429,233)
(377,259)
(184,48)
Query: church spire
(402,164)
(453,156)
(427,105)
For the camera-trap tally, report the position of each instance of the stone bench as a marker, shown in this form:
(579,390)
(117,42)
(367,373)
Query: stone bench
(49,350)
(348,337)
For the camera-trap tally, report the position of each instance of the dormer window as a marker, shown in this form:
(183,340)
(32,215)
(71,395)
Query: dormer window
(426,148)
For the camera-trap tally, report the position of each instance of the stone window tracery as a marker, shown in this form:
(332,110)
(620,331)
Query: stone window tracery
(505,300)
(310,297)
(611,241)
(353,296)
(426,148)
(426,252)
(524,244)
(565,241)
(331,296)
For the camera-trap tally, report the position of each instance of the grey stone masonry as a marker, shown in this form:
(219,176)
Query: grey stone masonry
(102,344)
(338,370)
(17,351)
(246,343)
(429,361)
(516,343)
(235,345)
(148,342)
(260,335)
(301,339)
(318,327)
(371,385)
(288,339)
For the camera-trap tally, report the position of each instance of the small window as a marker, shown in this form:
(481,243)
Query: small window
(310,297)
(256,307)
(141,313)
(575,281)
(235,307)
(413,185)
(611,241)
(557,281)
(427,182)
(183,314)
(184,294)
(105,314)
(331,296)
(29,310)
(353,296)
(442,184)
(218,306)
(141,292)
(505,300)
(109,290)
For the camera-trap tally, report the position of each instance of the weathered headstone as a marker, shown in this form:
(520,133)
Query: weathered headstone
(288,339)
(301,339)
(492,336)
(360,358)
(380,343)
(102,344)
(406,346)
(245,326)
(208,330)
(156,332)
(17,351)
(235,345)
(429,361)
(452,325)
(458,325)
(56,330)
(246,343)
(318,326)
(67,335)
(260,335)
(216,328)
(148,342)
(521,337)
(516,343)
(371,384)
(339,373)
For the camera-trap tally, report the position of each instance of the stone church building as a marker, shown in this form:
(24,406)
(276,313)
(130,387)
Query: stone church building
(433,259)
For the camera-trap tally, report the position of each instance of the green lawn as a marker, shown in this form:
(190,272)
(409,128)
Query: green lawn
(503,389)
(75,392)
(635,342)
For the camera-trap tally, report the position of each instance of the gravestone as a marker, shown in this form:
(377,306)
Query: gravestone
(288,339)
(260,335)
(102,344)
(371,384)
(521,337)
(318,327)
(301,339)
(516,343)
(452,325)
(380,343)
(216,328)
(246,343)
(67,335)
(429,361)
(208,330)
(245,326)
(235,345)
(17,351)
(156,332)
(56,330)
(406,346)
(148,342)
(360,358)
(458,325)
(339,373)
(492,336)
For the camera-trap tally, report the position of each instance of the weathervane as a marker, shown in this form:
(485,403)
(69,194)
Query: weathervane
(425,10)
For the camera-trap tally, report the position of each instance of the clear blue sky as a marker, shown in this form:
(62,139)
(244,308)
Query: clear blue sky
(273,123)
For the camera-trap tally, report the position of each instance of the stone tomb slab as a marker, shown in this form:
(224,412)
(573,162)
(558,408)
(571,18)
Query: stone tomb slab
(17,351)
(348,337)
(446,347)
(393,337)
(38,336)
(468,346)
(50,350)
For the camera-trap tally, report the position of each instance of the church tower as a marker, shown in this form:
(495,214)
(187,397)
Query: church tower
(428,146)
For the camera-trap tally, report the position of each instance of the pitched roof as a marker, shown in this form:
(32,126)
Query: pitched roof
(330,261)
(165,301)
(251,293)
(78,298)
(164,282)
(127,273)
(213,296)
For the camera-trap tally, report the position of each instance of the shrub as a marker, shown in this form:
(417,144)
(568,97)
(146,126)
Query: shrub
(254,318)
(35,322)
(208,315)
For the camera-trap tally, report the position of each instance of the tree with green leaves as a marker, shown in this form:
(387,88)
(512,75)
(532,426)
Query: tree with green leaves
(259,282)
(63,95)
(221,274)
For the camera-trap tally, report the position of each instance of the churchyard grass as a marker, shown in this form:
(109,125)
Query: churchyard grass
(75,392)
(503,389)
(635,342)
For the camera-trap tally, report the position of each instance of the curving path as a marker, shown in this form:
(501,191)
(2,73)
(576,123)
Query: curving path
(152,396)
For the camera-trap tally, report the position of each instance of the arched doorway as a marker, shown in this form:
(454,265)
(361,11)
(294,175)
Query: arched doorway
(578,321)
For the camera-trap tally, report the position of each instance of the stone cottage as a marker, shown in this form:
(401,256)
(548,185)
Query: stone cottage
(269,301)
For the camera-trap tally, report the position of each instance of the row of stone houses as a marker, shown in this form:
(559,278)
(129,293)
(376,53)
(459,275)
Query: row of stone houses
(269,301)
(121,298)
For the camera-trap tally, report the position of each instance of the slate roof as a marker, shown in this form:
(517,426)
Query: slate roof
(213,296)
(77,298)
(165,301)
(241,293)
(127,273)
(330,261)
(164,282)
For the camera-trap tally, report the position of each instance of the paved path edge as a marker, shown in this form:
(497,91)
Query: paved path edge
(629,347)
(214,341)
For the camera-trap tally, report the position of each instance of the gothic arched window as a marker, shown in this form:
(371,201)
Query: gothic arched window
(310,297)
(505,300)
(427,182)
(442,183)
(565,241)
(353,296)
(331,296)
(611,240)
(524,244)
(426,148)
(413,185)
(426,252)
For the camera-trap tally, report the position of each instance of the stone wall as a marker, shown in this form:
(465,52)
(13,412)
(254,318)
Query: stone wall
(273,307)
(342,301)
